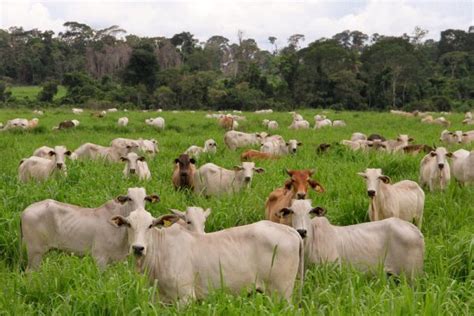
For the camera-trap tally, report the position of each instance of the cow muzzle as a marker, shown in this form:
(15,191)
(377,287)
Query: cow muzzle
(132,171)
(59,165)
(138,250)
(301,195)
(441,166)
(294,150)
(371,193)
(247,179)
(302,232)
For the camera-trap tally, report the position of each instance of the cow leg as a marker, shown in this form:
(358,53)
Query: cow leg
(100,258)
(34,260)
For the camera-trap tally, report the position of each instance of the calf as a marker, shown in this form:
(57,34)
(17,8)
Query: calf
(434,169)
(395,244)
(50,224)
(158,123)
(253,154)
(404,199)
(210,146)
(122,122)
(188,265)
(40,169)
(234,139)
(211,179)
(136,165)
(183,173)
(193,219)
(294,188)
(65,125)
(463,166)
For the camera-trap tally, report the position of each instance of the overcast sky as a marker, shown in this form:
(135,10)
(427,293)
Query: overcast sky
(259,19)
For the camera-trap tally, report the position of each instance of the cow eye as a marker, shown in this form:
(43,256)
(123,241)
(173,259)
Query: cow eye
(189,222)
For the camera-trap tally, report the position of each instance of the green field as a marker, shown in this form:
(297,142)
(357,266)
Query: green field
(31,92)
(69,285)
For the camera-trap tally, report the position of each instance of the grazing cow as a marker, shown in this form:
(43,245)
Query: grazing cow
(397,144)
(226,122)
(158,123)
(93,151)
(50,224)
(211,179)
(395,244)
(77,111)
(373,137)
(136,165)
(441,121)
(434,169)
(234,139)
(295,188)
(122,122)
(358,136)
(339,123)
(404,199)
(416,149)
(272,125)
(302,124)
(183,173)
(427,119)
(40,169)
(264,256)
(147,146)
(322,123)
(322,148)
(193,219)
(210,146)
(463,166)
(279,148)
(252,154)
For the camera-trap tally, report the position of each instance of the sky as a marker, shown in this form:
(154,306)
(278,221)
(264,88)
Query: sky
(258,19)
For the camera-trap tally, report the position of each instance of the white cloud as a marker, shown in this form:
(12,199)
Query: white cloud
(258,19)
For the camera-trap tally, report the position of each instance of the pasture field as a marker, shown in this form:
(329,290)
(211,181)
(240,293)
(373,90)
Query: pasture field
(68,285)
(31,92)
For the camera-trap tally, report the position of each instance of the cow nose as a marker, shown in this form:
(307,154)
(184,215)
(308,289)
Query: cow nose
(441,166)
(294,150)
(247,179)
(132,171)
(301,195)
(371,193)
(138,250)
(302,232)
(59,165)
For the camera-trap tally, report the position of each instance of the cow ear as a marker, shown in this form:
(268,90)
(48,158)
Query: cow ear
(152,198)
(288,184)
(207,212)
(464,134)
(318,211)
(411,139)
(164,221)
(311,172)
(433,153)
(51,153)
(123,158)
(385,179)
(316,185)
(287,144)
(362,174)
(283,212)
(122,199)
(119,221)
(259,170)
(193,161)
(176,160)
(178,213)
(237,168)
(141,158)
(300,144)
(68,153)
(289,172)
(449,155)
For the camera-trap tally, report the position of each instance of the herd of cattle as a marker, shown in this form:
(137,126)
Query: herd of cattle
(269,255)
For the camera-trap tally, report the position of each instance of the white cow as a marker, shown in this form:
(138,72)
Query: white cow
(322,123)
(404,199)
(468,115)
(265,122)
(77,110)
(302,124)
(38,112)
(194,218)
(356,144)
(50,224)
(339,123)
(463,166)
(210,146)
(147,146)
(272,125)
(264,256)
(123,121)
(94,151)
(234,139)
(278,148)
(136,165)
(45,152)
(447,137)
(395,244)
(16,123)
(112,110)
(358,136)
(441,121)
(297,117)
(434,169)
(158,123)
(211,179)
(40,169)
(397,144)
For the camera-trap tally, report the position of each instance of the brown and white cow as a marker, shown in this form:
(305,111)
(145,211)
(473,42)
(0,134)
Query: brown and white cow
(252,154)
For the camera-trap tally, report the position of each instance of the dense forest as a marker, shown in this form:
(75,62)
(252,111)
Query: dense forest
(351,70)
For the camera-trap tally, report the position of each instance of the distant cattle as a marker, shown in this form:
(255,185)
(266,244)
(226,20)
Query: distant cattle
(136,165)
(434,169)
(252,154)
(210,146)
(37,168)
(158,123)
(322,148)
(94,151)
(416,149)
(122,122)
(303,124)
(234,139)
(463,166)
(358,136)
(183,173)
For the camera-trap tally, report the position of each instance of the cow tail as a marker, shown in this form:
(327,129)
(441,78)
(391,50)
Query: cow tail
(301,270)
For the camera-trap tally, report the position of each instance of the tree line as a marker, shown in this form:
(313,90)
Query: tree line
(351,70)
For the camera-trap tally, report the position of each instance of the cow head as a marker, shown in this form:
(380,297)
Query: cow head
(136,198)
(299,214)
(210,146)
(299,182)
(292,145)
(373,179)
(59,154)
(194,217)
(440,153)
(184,164)
(138,225)
(132,159)
(246,171)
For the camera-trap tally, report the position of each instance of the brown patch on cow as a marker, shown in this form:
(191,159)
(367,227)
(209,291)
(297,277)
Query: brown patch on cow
(66,125)
(416,149)
(253,154)
(227,122)
(183,173)
(322,148)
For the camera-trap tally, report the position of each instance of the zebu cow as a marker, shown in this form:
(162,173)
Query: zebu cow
(434,169)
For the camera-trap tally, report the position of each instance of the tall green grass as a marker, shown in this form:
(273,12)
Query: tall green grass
(70,285)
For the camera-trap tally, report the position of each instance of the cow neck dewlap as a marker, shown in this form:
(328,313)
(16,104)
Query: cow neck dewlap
(322,243)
